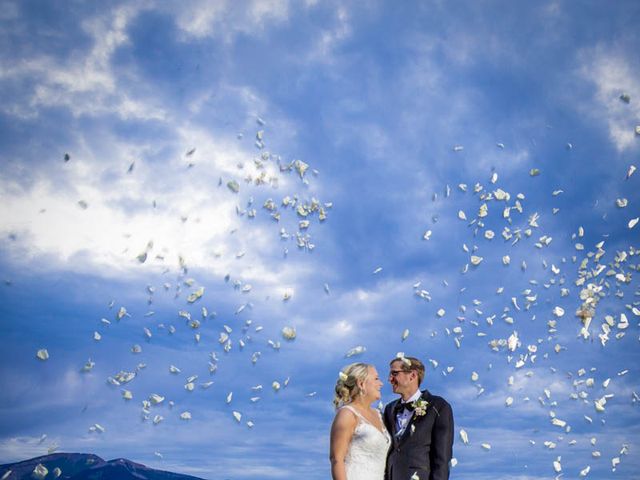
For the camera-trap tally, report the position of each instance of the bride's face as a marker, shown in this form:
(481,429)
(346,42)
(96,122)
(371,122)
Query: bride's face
(373,384)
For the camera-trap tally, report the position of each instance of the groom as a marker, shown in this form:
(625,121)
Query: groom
(421,425)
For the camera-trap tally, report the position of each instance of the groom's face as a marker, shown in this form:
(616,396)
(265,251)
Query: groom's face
(402,382)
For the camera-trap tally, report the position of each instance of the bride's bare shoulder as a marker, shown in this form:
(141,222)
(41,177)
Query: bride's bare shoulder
(346,414)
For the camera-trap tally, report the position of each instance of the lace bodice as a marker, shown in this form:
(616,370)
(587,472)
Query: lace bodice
(367,453)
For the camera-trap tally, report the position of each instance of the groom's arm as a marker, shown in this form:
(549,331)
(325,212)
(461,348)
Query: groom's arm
(441,443)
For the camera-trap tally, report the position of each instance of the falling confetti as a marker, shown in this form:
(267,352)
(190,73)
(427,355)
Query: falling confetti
(355,351)
(289,333)
(40,471)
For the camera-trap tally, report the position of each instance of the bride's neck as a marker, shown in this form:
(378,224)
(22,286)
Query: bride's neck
(361,403)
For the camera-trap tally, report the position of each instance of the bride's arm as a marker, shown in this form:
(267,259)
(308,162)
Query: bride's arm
(341,432)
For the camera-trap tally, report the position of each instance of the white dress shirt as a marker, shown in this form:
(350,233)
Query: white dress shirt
(402,419)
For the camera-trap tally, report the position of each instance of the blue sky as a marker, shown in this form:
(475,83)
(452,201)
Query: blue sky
(406,115)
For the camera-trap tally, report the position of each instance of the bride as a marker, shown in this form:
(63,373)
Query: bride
(359,439)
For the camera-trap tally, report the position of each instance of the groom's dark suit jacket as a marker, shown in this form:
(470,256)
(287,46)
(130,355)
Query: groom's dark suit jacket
(425,446)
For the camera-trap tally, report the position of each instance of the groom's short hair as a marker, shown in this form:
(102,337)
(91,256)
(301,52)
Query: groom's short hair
(409,364)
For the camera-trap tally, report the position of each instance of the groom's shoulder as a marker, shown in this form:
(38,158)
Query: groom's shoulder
(438,401)
(390,405)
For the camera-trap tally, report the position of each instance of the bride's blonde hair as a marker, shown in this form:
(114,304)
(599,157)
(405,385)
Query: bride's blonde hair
(347,387)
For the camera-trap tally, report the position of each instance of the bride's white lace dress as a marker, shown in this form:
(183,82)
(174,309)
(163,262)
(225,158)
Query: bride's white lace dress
(367,453)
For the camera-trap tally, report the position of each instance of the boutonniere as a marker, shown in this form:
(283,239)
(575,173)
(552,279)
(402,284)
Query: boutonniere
(420,407)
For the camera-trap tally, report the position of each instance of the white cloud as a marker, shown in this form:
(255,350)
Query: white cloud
(22,447)
(529,383)
(329,40)
(198,18)
(195,215)
(9,11)
(613,75)
(262,11)
(354,317)
(33,393)
(201,18)
(85,82)
(108,235)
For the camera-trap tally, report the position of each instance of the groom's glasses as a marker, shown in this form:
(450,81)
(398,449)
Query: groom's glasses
(394,373)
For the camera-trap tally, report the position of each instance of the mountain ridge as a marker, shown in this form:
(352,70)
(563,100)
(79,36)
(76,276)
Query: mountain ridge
(84,466)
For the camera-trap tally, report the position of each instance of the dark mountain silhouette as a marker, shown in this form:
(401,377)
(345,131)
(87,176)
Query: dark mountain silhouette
(81,466)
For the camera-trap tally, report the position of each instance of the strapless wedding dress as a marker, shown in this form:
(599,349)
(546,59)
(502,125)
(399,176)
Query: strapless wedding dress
(367,455)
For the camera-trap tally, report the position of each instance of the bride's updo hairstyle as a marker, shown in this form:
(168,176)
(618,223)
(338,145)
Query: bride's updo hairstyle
(347,385)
